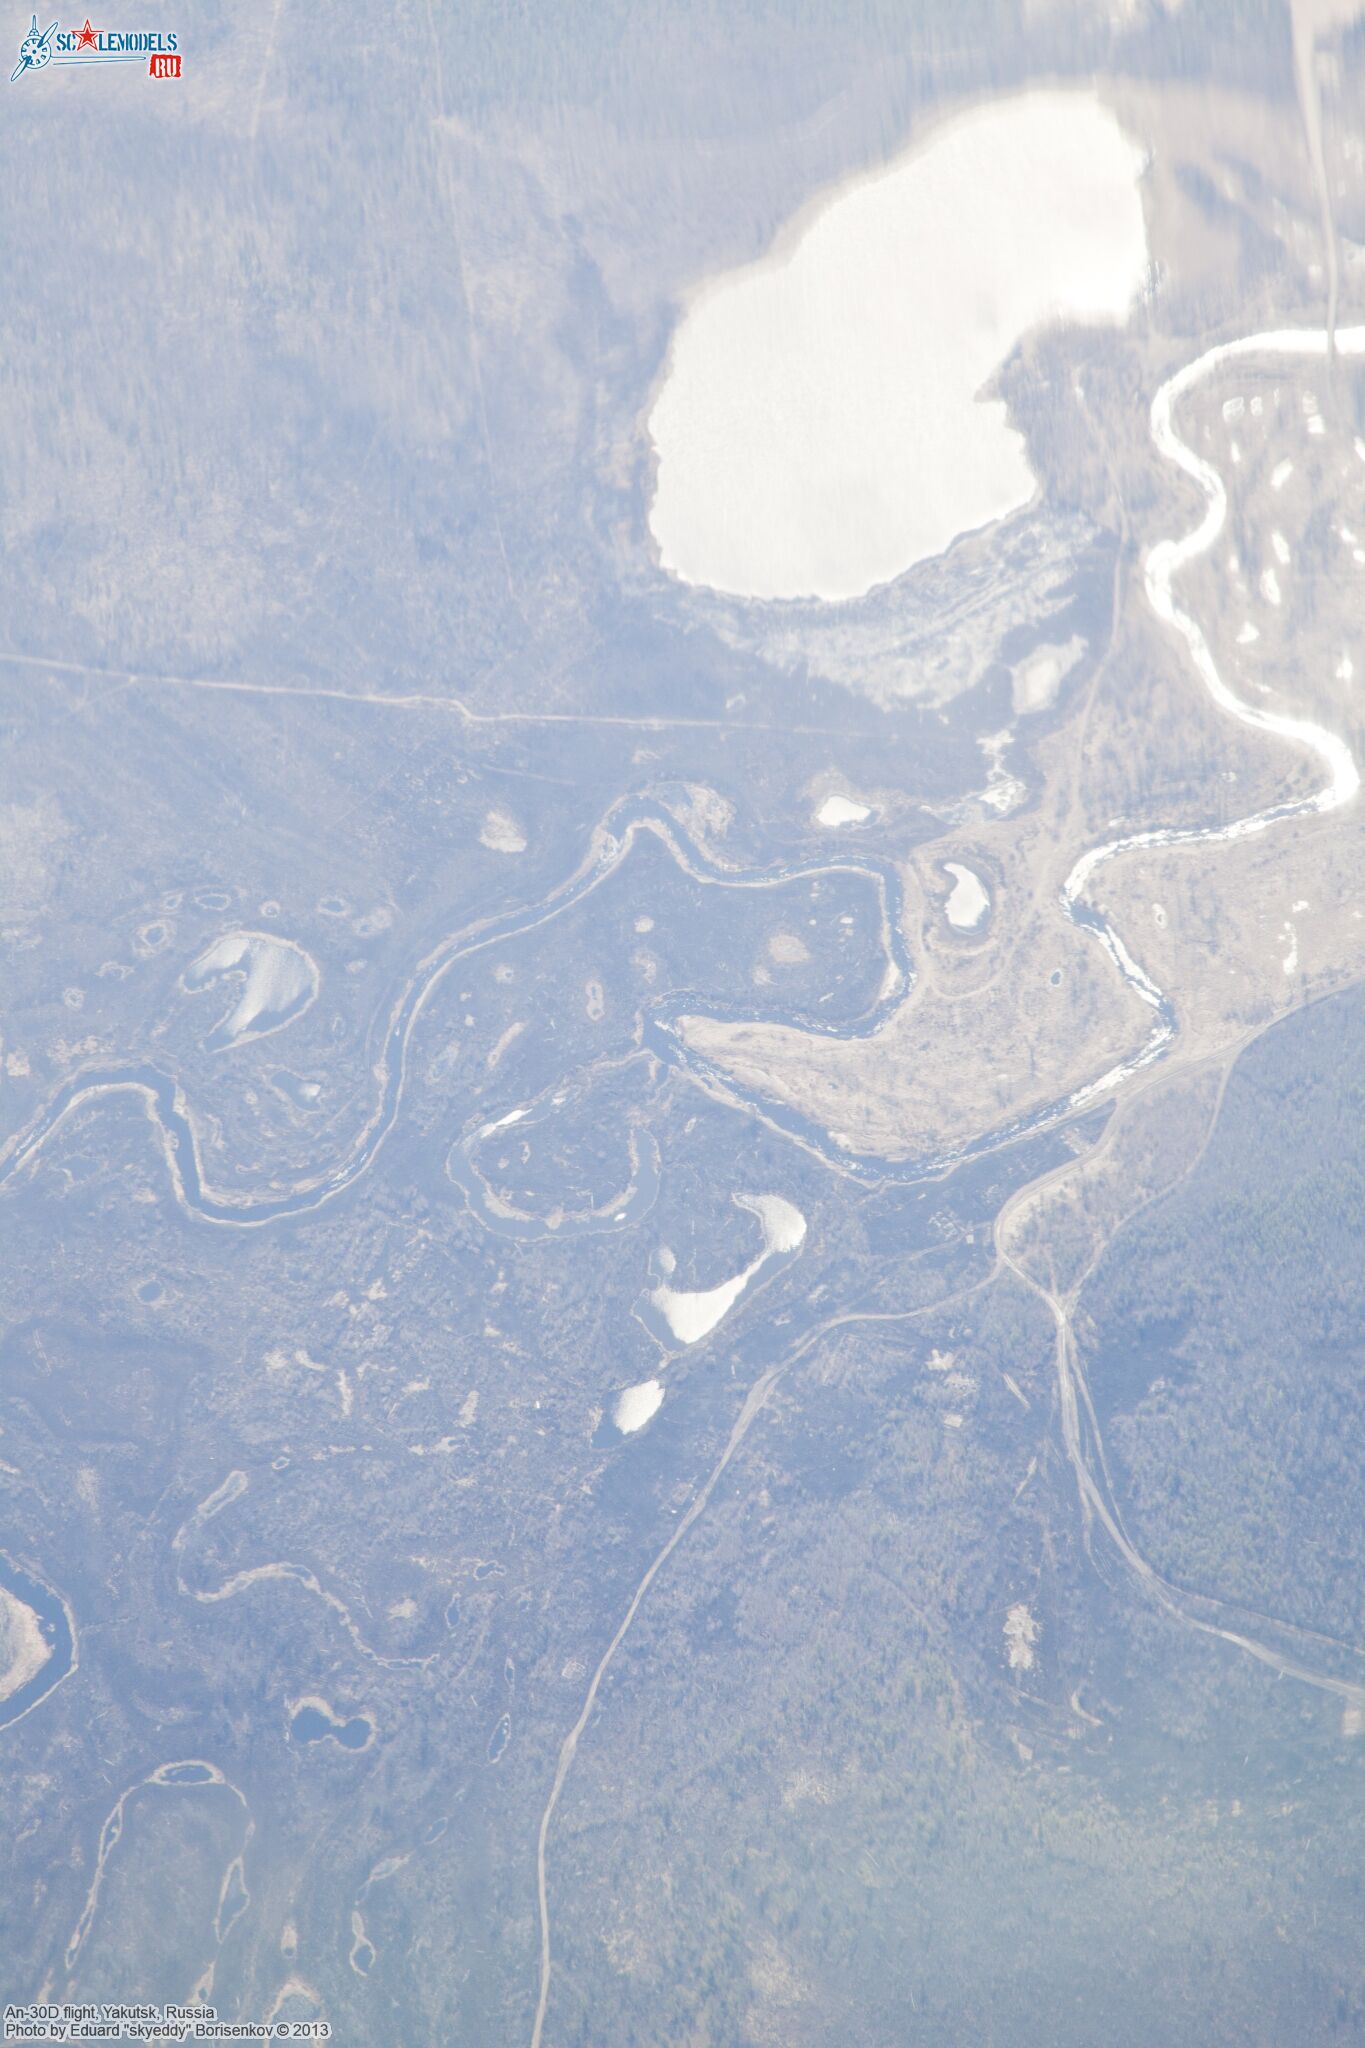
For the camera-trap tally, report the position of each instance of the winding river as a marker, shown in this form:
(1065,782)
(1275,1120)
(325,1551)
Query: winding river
(613,839)
(1080,1427)
(609,846)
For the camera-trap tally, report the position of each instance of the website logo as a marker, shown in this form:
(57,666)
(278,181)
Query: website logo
(158,49)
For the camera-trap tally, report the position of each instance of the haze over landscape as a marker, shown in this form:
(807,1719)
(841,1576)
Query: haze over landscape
(681,1168)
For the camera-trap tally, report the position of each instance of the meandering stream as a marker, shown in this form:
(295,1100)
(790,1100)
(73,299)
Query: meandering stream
(610,845)
(1080,1428)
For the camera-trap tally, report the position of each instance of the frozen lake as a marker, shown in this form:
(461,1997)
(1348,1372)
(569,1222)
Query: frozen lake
(820,428)
(37,1643)
(636,1405)
(277,981)
(842,810)
(691,1314)
(968,902)
(23,1648)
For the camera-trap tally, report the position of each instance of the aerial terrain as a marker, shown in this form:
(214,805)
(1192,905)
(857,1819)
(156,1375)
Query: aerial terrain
(682,1137)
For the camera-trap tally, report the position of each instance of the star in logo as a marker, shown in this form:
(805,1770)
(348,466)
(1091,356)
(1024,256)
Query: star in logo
(86,39)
